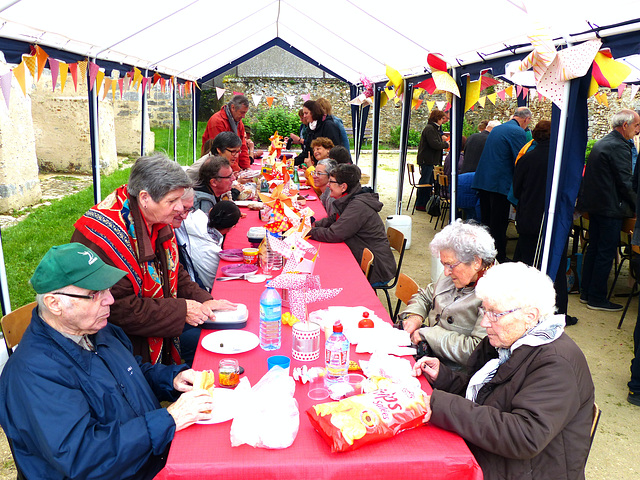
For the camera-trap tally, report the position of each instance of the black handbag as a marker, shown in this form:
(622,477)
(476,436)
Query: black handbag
(433,206)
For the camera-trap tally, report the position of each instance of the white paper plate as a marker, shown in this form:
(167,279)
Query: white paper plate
(224,401)
(246,203)
(230,341)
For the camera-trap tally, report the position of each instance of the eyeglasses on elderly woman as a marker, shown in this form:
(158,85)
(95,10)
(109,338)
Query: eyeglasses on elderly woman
(493,317)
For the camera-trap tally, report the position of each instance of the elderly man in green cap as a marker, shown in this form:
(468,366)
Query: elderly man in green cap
(74,401)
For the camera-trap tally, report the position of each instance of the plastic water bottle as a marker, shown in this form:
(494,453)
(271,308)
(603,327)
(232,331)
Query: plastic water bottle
(336,356)
(270,315)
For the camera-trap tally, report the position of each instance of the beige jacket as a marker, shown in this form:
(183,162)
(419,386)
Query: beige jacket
(452,328)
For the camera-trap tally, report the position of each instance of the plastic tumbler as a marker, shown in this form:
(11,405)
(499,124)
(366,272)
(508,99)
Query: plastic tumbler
(280,360)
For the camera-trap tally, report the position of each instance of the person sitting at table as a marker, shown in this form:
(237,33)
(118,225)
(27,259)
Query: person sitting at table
(320,147)
(214,183)
(356,222)
(321,174)
(445,313)
(525,407)
(131,230)
(225,144)
(206,236)
(340,154)
(74,401)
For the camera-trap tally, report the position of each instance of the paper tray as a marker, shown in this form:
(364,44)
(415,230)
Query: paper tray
(228,320)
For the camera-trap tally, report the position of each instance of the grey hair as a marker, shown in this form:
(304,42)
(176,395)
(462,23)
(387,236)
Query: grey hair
(522,112)
(42,307)
(622,117)
(493,123)
(329,164)
(157,175)
(516,285)
(467,240)
(189,192)
(238,101)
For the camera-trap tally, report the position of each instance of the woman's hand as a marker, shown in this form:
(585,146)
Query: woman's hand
(429,366)
(411,323)
(308,162)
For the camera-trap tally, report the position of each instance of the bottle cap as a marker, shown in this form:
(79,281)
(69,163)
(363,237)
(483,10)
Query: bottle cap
(337,327)
(364,314)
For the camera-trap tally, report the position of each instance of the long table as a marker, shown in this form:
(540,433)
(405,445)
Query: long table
(205,452)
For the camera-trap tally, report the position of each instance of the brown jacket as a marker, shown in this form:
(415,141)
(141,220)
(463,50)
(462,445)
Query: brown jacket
(149,317)
(532,420)
(431,146)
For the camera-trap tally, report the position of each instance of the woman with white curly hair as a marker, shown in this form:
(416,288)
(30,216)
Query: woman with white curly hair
(445,314)
(525,406)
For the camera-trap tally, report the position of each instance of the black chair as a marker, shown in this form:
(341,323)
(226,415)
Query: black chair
(411,168)
(397,242)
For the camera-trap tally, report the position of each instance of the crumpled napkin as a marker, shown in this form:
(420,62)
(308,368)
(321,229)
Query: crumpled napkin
(383,338)
(398,370)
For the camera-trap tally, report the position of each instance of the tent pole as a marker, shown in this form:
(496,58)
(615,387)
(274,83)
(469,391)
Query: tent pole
(4,286)
(94,135)
(143,123)
(174,119)
(375,135)
(562,127)
(404,135)
(456,110)
(194,120)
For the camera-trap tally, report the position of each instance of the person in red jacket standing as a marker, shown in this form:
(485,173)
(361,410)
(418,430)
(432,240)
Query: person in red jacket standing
(229,119)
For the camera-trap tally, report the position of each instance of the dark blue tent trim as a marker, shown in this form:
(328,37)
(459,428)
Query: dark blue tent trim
(276,42)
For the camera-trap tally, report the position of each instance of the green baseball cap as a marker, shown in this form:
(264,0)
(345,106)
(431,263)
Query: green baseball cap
(73,264)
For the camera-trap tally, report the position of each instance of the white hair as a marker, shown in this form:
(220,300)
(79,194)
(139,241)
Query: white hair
(516,285)
(467,240)
(622,117)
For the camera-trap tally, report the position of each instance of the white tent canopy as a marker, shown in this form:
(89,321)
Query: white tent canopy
(353,38)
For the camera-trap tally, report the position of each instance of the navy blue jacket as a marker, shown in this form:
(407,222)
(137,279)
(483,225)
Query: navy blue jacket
(495,168)
(72,413)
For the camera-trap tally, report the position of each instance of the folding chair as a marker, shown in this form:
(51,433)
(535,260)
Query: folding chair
(594,425)
(15,323)
(366,262)
(445,199)
(411,168)
(406,288)
(397,242)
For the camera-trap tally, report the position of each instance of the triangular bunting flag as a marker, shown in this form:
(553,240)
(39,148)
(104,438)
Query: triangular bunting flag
(137,78)
(54,66)
(30,61)
(525,92)
(540,97)
(156,77)
(145,81)
(481,101)
(220,92)
(509,91)
(163,85)
(492,98)
(487,82)
(237,93)
(99,80)
(64,68)
(621,88)
(605,99)
(256,99)
(5,83)
(634,90)
(42,56)
(447,107)
(93,71)
(430,104)
(82,69)
(306,97)
(127,81)
(73,68)
(416,102)
(107,87)
(518,90)
(270,101)
(114,84)
(473,93)
(440,105)
(19,73)
(501,95)
(291,99)
(121,85)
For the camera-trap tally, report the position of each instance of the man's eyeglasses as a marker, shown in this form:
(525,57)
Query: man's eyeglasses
(225,178)
(90,296)
(493,317)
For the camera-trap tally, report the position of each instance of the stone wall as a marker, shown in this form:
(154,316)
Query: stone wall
(19,184)
(128,125)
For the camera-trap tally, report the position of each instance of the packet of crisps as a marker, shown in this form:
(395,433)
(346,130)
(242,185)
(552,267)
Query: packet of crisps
(367,418)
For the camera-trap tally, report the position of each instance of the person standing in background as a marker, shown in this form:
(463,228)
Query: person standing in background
(432,143)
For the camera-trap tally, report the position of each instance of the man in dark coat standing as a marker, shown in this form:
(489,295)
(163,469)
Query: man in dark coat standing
(495,173)
(432,144)
(475,146)
(608,197)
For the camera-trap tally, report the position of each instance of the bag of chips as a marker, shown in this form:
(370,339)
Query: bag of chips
(367,418)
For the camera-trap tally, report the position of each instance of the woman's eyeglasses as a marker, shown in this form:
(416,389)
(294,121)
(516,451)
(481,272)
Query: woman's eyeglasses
(493,317)
(315,173)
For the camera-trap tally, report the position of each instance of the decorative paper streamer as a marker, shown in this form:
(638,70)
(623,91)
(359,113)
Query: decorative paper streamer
(54,67)
(473,93)
(440,80)
(42,56)
(5,83)
(19,73)
(220,92)
(291,99)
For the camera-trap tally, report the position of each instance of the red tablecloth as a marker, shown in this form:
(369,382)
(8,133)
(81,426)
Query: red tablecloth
(204,451)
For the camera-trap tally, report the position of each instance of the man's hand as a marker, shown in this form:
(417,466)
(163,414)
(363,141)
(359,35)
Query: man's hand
(220,305)
(195,313)
(430,366)
(183,382)
(191,407)
(411,323)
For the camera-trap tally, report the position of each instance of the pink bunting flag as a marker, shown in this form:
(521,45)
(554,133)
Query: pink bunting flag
(121,86)
(306,97)
(540,97)
(93,71)
(5,82)
(621,88)
(54,66)
(501,95)
(237,93)
(73,68)
(518,90)
(220,92)
(525,92)
(145,81)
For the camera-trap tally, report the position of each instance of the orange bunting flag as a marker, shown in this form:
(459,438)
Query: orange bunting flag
(107,87)
(187,86)
(30,62)
(82,68)
(163,85)
(509,91)
(156,77)
(270,101)
(64,68)
(19,73)
(42,56)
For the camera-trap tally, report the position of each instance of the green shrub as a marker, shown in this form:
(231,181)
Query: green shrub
(275,119)
(590,144)
(412,141)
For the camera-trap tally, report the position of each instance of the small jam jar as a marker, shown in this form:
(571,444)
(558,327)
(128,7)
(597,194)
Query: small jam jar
(228,373)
